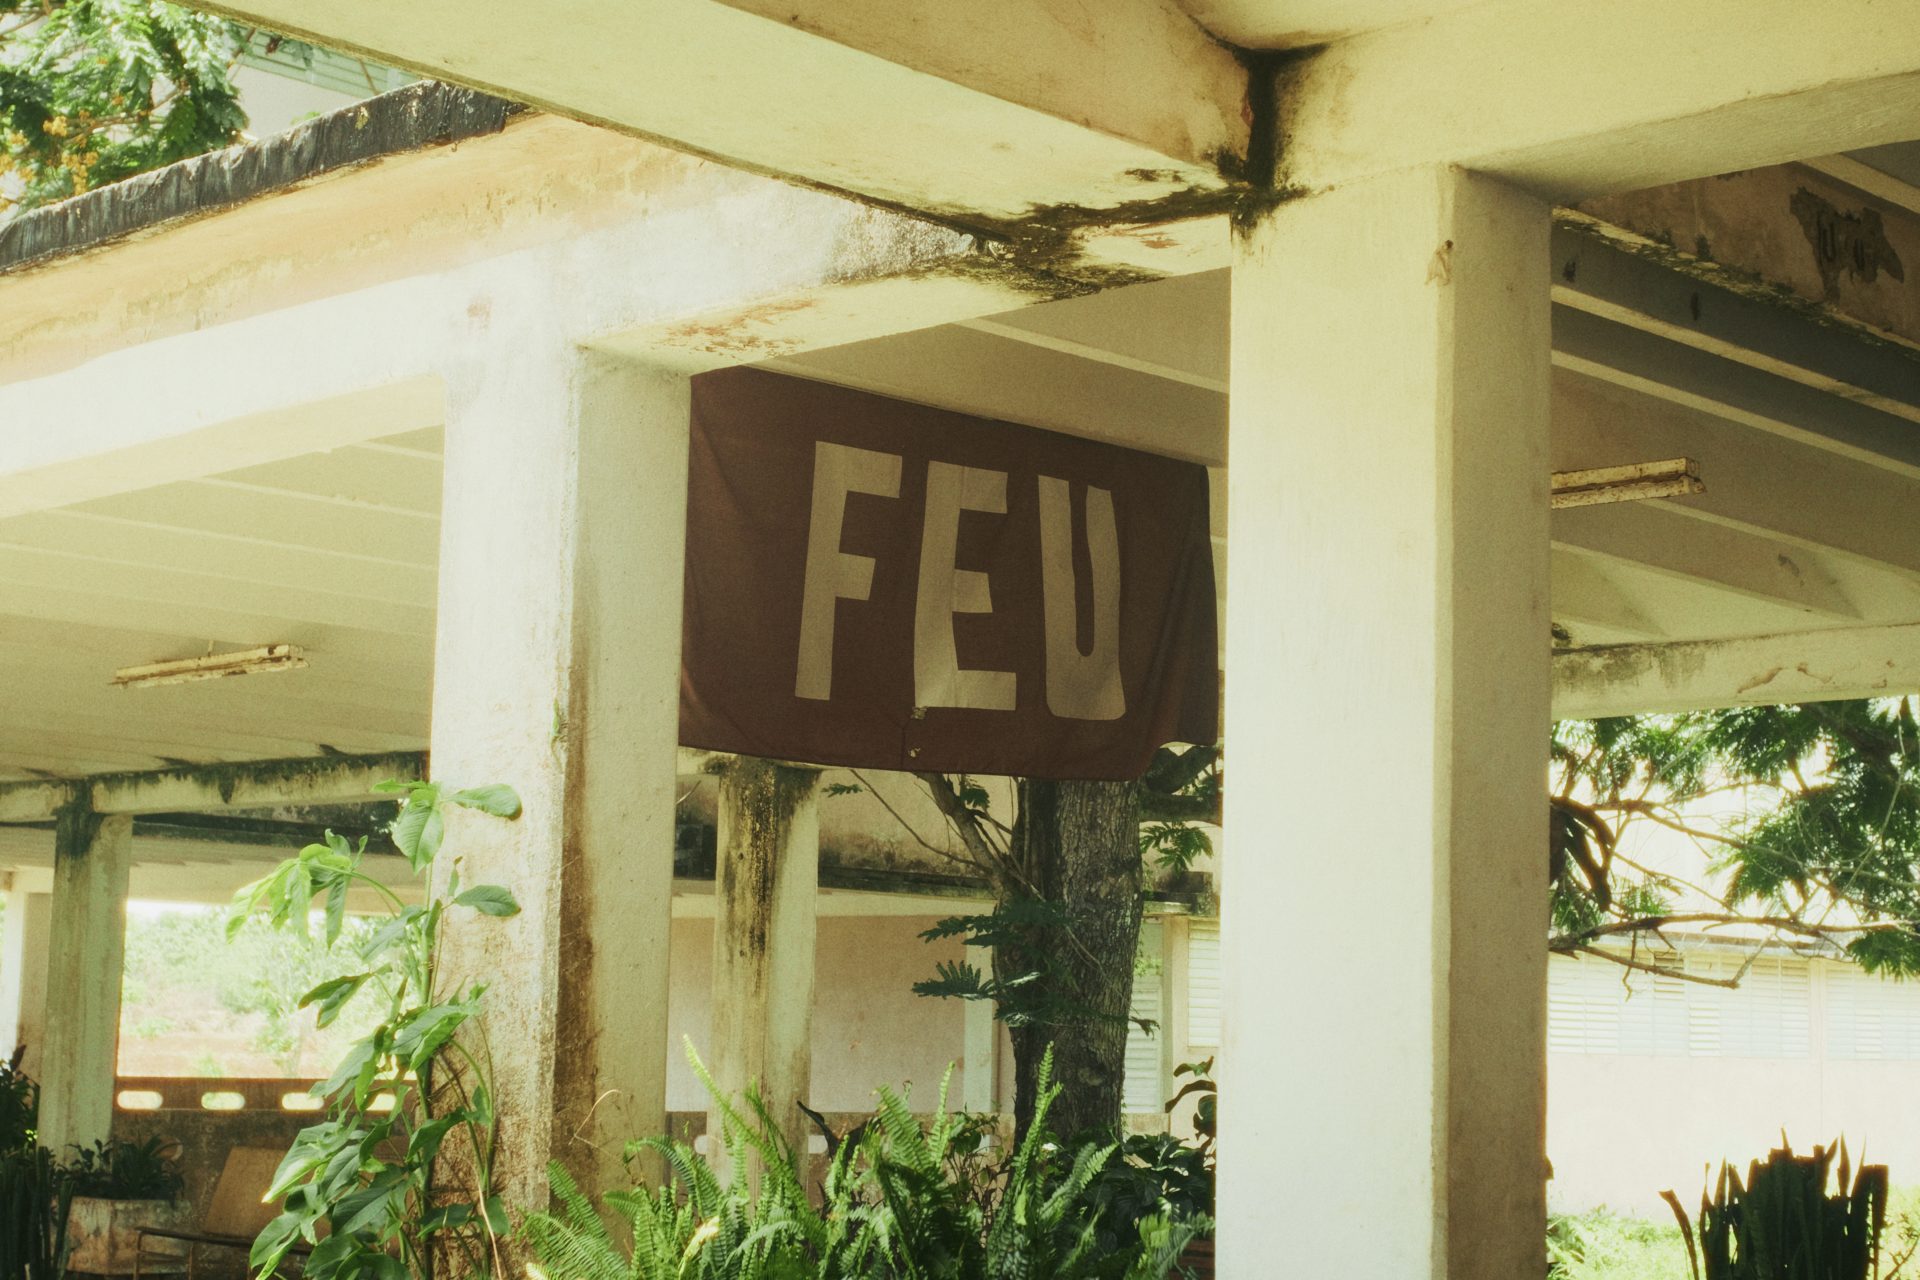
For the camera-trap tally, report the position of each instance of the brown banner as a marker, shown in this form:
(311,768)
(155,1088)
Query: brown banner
(879,584)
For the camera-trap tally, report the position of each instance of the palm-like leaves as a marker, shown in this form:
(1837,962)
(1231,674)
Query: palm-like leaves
(912,1200)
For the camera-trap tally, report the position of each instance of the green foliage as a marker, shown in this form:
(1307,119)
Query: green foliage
(34,1202)
(1782,1224)
(1039,996)
(757,1225)
(92,91)
(1200,1086)
(19,1109)
(1180,790)
(905,1201)
(366,1174)
(262,971)
(1832,796)
(1601,1245)
(1175,846)
(122,1170)
(1152,1175)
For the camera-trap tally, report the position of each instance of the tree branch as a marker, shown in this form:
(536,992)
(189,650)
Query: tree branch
(1158,807)
(1174,771)
(1578,940)
(1660,970)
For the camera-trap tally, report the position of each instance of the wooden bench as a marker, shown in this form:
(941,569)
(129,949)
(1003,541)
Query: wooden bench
(235,1216)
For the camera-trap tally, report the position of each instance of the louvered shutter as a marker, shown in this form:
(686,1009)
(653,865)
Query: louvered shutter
(1203,984)
(1146,1089)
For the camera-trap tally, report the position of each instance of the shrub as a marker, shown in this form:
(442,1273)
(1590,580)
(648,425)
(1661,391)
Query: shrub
(1781,1224)
(905,1200)
(34,1200)
(120,1170)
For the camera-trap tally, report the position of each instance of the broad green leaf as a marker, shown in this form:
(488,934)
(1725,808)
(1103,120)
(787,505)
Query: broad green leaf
(446,1218)
(489,900)
(499,800)
(332,996)
(424,1144)
(360,1058)
(425,1030)
(336,910)
(407,830)
(271,1245)
(432,833)
(376,1207)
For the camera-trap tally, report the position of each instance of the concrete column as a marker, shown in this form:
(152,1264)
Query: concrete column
(766,888)
(1385,898)
(92,860)
(36,945)
(23,976)
(557,671)
(980,1035)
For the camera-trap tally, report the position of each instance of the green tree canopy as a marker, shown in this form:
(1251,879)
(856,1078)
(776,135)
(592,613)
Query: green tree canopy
(1823,847)
(92,91)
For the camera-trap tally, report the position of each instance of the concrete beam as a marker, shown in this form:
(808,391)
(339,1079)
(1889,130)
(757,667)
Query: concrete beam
(679,262)
(1810,666)
(1740,313)
(1572,101)
(1792,235)
(1783,483)
(1664,539)
(988,112)
(134,430)
(212,788)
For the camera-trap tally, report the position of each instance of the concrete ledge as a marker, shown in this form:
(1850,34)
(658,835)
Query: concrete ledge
(410,119)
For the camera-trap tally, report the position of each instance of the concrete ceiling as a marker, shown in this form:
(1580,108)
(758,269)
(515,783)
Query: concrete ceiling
(1294,24)
(337,551)
(1806,524)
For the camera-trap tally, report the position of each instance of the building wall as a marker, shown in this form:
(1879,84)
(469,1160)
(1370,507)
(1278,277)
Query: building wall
(869,1028)
(1651,1081)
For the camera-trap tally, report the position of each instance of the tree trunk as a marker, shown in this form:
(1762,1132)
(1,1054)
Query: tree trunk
(1080,843)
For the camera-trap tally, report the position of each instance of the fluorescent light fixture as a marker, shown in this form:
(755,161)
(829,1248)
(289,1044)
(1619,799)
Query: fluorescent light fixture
(246,662)
(1670,478)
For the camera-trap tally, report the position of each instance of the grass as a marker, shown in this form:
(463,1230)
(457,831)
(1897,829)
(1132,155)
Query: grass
(1603,1245)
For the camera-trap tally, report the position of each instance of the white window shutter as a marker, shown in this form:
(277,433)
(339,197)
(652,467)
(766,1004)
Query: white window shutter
(1146,1086)
(1203,983)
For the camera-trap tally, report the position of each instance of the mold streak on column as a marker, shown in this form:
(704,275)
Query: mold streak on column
(557,672)
(92,863)
(765,885)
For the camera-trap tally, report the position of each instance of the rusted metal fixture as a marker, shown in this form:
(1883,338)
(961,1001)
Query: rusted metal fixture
(1669,478)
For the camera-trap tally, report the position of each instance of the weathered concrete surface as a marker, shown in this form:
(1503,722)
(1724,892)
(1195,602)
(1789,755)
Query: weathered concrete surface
(1403,320)
(93,857)
(206,1138)
(1818,666)
(418,116)
(1788,232)
(557,671)
(764,938)
(986,111)
(212,788)
(1571,101)
(103,1235)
